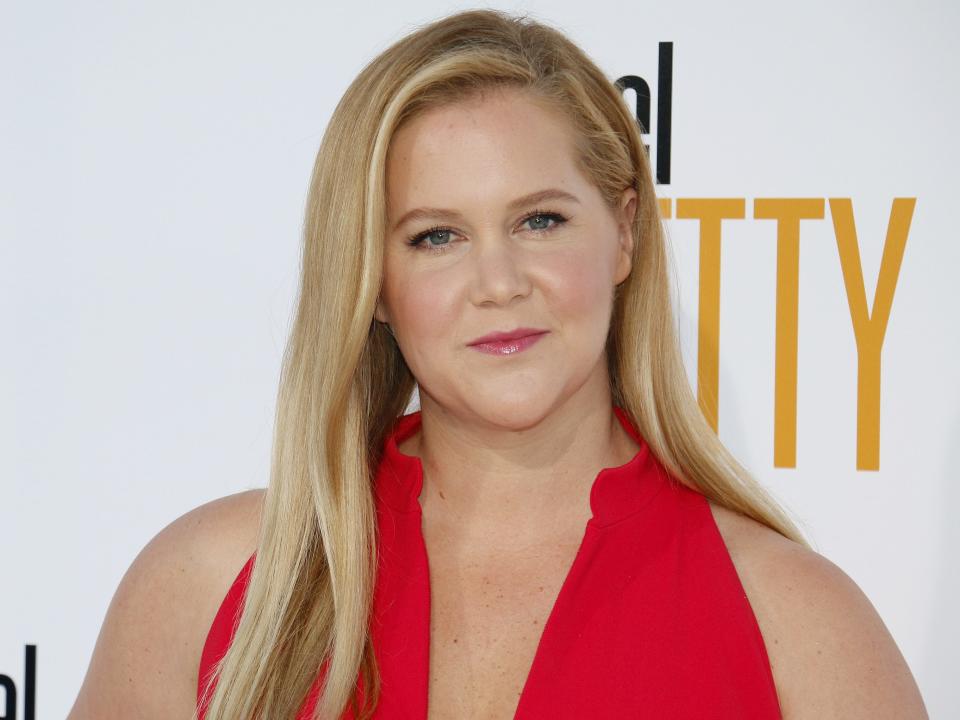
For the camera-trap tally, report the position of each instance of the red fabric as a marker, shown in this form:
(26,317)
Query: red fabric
(651,621)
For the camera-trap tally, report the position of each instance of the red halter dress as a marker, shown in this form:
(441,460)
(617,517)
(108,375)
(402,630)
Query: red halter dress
(651,620)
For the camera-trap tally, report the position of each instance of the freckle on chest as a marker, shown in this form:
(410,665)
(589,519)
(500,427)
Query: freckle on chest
(487,617)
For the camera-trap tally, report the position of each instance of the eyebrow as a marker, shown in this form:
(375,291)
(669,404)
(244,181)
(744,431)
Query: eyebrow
(425,213)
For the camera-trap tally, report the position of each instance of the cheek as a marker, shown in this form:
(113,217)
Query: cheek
(579,286)
(424,308)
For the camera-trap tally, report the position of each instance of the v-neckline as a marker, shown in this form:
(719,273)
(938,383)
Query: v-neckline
(544,630)
(615,494)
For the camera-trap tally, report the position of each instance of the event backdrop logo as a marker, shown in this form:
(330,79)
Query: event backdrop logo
(30,688)
(869,321)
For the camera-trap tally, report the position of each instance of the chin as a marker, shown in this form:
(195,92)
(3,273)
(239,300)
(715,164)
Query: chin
(521,412)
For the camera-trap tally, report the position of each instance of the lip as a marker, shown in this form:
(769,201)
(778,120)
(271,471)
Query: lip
(508,343)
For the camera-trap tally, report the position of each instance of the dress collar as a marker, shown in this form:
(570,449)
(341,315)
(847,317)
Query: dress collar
(616,493)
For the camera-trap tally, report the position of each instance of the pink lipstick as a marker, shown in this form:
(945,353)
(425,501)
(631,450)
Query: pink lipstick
(507,343)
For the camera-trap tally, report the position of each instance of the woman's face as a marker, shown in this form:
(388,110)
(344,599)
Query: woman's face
(493,258)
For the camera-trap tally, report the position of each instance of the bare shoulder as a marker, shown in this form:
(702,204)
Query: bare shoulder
(830,652)
(146,659)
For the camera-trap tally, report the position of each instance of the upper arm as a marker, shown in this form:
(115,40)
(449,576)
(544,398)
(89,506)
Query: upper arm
(830,652)
(146,658)
(835,650)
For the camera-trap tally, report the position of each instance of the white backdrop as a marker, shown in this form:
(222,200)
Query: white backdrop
(155,160)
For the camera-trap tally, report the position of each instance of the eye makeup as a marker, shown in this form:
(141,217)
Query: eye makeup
(418,241)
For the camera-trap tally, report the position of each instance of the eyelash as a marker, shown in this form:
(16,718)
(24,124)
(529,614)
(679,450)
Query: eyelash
(417,241)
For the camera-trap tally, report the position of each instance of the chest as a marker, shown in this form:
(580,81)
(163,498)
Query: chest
(643,618)
(487,616)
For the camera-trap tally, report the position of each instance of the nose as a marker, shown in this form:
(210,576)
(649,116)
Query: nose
(500,271)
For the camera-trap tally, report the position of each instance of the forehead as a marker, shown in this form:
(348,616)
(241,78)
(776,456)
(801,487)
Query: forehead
(498,144)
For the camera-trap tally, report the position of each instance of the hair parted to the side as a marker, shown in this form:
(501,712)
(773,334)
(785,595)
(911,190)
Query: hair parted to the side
(344,382)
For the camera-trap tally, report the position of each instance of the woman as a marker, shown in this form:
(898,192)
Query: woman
(594,551)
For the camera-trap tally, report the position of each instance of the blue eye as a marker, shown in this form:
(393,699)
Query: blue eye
(538,217)
(418,241)
(545,217)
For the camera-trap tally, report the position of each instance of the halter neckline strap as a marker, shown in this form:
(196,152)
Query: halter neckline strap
(616,493)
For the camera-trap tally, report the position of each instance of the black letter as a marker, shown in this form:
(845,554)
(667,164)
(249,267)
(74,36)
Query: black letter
(664,108)
(642,111)
(10,712)
(30,683)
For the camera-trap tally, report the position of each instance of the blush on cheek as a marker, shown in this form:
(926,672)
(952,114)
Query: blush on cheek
(581,287)
(427,310)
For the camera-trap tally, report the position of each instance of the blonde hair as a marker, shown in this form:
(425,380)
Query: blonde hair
(344,382)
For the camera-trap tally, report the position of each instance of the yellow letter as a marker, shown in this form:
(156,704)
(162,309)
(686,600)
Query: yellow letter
(710,212)
(788,213)
(869,329)
(666,207)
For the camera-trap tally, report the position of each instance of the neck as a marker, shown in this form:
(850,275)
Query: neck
(535,480)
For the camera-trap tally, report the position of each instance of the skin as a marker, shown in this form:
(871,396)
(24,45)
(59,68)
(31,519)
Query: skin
(510,445)
(510,441)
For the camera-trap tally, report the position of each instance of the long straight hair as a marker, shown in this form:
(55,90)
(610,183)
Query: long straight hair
(344,382)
